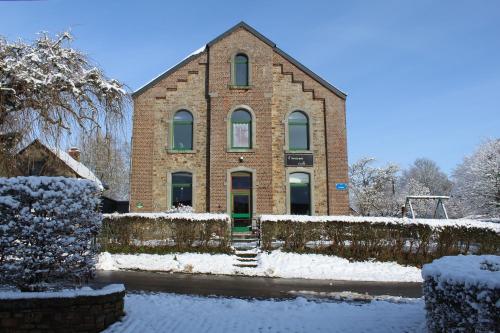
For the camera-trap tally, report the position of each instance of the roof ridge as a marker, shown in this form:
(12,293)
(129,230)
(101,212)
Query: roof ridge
(244,25)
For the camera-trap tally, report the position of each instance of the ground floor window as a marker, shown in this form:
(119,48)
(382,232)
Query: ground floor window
(241,200)
(300,193)
(182,189)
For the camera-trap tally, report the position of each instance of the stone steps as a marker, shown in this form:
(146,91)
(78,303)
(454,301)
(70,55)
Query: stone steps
(244,240)
(246,258)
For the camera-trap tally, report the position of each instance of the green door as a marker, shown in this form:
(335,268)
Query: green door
(241,201)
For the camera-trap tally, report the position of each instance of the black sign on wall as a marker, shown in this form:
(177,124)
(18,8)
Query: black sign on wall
(299,160)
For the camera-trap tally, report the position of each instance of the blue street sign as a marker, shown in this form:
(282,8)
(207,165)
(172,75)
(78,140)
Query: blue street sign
(341,186)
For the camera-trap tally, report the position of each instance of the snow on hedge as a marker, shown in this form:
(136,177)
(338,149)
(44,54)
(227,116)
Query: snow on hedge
(173,216)
(46,228)
(434,223)
(462,293)
(468,270)
(65,293)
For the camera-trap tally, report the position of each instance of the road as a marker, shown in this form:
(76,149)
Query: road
(248,287)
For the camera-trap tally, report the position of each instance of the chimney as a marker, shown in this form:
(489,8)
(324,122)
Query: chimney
(74,153)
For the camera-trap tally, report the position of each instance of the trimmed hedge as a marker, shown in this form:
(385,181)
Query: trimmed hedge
(47,225)
(381,239)
(462,294)
(165,233)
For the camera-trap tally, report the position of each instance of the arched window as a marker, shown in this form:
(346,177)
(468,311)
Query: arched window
(182,134)
(300,193)
(298,131)
(182,189)
(241,70)
(241,129)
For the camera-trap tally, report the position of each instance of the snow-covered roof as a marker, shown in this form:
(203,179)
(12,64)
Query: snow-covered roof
(433,223)
(179,64)
(79,168)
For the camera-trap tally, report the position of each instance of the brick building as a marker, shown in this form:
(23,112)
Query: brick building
(239,126)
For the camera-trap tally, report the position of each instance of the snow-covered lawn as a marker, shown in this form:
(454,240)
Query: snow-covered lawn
(274,264)
(180,313)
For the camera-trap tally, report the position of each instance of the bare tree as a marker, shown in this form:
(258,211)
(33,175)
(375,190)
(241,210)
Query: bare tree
(373,190)
(47,88)
(108,157)
(477,181)
(428,175)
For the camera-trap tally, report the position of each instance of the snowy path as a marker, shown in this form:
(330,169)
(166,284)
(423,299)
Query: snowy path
(179,313)
(273,264)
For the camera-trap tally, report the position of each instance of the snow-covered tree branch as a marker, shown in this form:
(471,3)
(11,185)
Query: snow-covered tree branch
(477,181)
(372,189)
(48,88)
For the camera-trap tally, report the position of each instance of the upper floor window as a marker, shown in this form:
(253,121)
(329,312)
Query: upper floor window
(182,134)
(241,70)
(298,131)
(241,129)
(182,189)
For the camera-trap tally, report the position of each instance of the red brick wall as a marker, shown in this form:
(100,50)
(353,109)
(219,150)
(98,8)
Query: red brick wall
(223,100)
(151,161)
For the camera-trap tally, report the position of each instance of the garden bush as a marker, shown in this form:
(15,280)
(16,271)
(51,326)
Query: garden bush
(405,241)
(165,233)
(462,294)
(47,225)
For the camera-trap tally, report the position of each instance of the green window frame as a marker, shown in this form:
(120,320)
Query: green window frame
(304,182)
(241,186)
(179,185)
(238,118)
(298,120)
(241,76)
(181,119)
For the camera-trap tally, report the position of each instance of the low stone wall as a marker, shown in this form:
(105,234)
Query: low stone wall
(61,312)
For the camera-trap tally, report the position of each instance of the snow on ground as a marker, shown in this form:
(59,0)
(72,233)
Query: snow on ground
(181,313)
(274,264)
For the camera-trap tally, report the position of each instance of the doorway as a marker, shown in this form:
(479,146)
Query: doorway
(241,201)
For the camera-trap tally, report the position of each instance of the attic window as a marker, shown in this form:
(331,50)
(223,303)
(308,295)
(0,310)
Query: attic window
(241,70)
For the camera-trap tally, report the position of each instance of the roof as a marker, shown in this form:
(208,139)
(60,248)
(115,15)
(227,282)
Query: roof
(78,168)
(172,69)
(257,34)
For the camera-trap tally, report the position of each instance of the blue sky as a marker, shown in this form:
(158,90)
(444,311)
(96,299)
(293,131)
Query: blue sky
(422,77)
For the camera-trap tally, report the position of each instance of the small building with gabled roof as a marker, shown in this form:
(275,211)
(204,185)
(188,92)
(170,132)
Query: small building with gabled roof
(239,126)
(40,159)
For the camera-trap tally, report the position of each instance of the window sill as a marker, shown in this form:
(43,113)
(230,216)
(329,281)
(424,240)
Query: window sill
(241,150)
(288,151)
(233,86)
(175,151)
